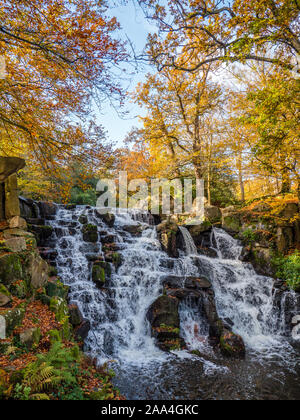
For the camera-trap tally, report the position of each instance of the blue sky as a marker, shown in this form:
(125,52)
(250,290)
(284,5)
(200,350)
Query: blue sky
(136,28)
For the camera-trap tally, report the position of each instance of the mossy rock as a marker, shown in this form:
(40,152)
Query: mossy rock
(90,233)
(106,266)
(232,223)
(19,289)
(10,269)
(5,296)
(116,259)
(13,318)
(98,276)
(57,288)
(83,219)
(232,345)
(60,308)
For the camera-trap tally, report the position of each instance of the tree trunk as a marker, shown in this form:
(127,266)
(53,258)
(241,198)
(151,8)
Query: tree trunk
(286,181)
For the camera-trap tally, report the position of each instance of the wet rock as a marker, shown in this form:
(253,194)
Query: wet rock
(232,345)
(41,233)
(90,233)
(98,275)
(70,206)
(29,208)
(164,311)
(47,209)
(82,331)
(108,218)
(198,232)
(108,239)
(75,314)
(134,230)
(83,219)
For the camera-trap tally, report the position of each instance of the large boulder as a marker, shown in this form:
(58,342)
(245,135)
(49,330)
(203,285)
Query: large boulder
(164,311)
(163,316)
(38,271)
(197,231)
(9,166)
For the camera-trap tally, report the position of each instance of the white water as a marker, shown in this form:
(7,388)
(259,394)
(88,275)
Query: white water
(189,244)
(120,330)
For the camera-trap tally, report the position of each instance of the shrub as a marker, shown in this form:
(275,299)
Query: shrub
(288,269)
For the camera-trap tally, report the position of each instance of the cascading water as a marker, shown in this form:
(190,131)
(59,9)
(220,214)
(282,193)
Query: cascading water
(189,244)
(120,331)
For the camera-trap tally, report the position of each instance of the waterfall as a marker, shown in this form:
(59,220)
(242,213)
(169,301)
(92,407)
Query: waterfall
(189,244)
(119,328)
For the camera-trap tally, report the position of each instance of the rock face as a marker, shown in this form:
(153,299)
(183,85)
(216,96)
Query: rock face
(168,232)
